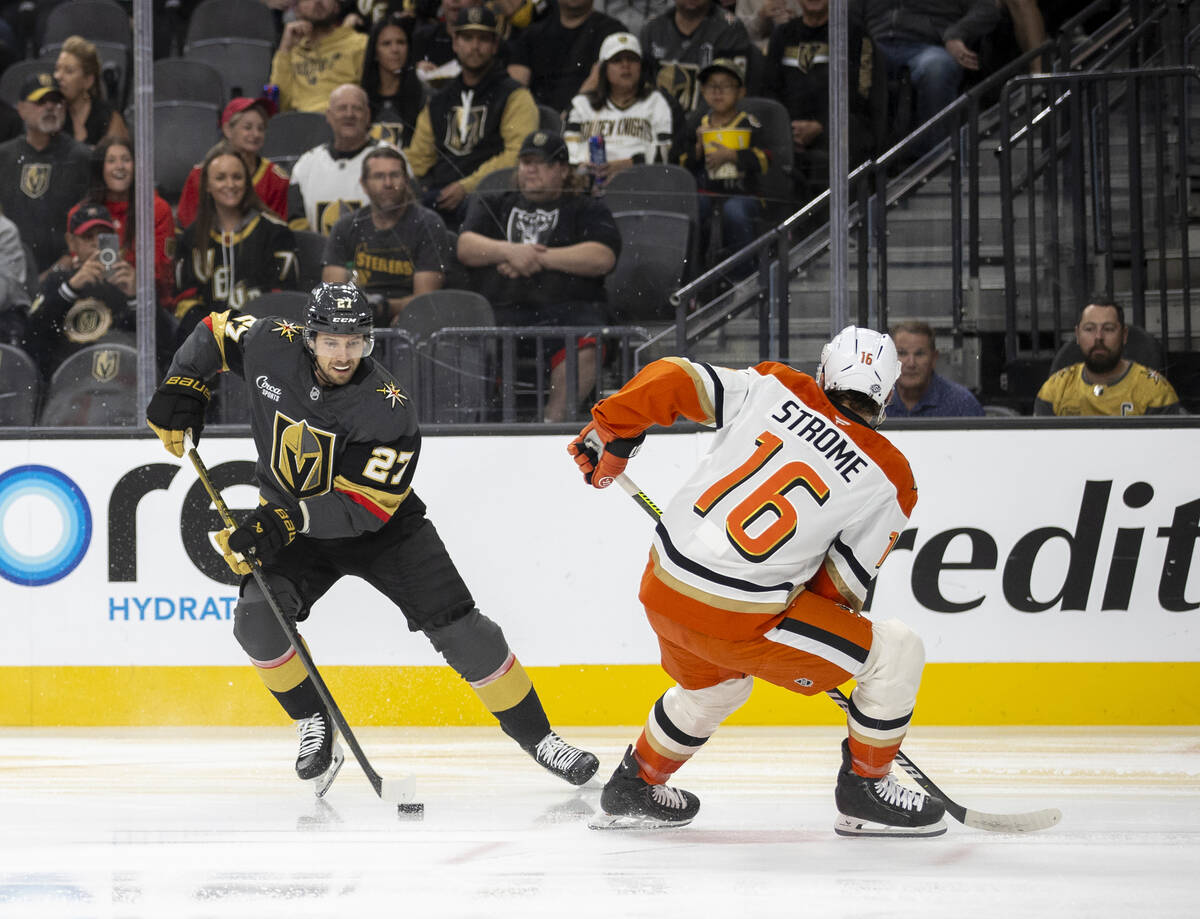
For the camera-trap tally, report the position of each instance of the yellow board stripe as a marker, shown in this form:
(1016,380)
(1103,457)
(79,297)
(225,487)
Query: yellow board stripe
(951,694)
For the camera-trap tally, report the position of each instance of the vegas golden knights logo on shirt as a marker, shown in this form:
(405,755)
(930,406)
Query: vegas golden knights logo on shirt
(301,457)
(463,135)
(35,179)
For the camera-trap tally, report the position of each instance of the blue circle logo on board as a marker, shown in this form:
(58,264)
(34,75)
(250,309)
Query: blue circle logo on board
(43,496)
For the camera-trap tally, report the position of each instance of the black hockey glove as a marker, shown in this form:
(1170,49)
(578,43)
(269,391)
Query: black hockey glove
(267,530)
(177,407)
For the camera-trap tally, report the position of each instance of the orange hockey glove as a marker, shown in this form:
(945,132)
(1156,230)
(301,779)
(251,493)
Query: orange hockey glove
(601,455)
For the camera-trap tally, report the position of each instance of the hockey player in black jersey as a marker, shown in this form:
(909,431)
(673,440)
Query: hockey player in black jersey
(338,443)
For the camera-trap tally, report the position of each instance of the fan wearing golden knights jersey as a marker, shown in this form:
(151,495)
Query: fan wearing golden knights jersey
(761,565)
(338,443)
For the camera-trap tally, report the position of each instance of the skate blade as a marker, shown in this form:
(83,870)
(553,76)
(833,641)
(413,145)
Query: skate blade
(603,821)
(854,826)
(322,782)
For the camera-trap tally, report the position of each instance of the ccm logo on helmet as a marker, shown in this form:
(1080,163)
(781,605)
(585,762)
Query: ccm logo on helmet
(350,319)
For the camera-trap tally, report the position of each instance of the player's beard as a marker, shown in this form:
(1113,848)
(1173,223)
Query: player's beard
(1102,360)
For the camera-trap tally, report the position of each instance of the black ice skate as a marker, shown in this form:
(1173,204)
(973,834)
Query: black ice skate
(630,802)
(320,755)
(567,762)
(883,807)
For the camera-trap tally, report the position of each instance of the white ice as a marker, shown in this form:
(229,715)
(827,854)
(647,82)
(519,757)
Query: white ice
(185,823)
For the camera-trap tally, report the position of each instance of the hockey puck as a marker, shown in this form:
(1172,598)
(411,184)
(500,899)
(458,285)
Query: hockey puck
(411,811)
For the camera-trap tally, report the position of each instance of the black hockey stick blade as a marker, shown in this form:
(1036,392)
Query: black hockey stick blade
(395,791)
(996,823)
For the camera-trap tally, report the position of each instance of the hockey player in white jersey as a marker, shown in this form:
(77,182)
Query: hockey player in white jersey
(760,567)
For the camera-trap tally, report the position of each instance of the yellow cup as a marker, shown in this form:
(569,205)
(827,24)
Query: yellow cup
(734,139)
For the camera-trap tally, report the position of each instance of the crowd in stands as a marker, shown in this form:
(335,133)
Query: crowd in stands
(418,104)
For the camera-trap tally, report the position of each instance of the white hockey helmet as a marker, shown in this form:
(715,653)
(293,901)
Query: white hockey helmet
(862,361)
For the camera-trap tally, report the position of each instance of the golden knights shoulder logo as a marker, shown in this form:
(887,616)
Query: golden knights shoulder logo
(301,457)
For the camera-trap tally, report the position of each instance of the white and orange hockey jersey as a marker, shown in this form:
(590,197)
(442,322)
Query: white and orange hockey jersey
(793,495)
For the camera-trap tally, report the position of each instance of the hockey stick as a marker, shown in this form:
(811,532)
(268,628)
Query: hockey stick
(395,791)
(997,823)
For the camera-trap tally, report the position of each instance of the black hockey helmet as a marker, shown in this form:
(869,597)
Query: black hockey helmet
(339,309)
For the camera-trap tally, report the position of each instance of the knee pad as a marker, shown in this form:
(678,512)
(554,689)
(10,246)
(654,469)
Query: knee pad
(883,700)
(472,645)
(254,624)
(699,712)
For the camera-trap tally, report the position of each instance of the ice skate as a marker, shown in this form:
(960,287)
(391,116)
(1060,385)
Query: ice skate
(320,755)
(567,762)
(630,802)
(883,807)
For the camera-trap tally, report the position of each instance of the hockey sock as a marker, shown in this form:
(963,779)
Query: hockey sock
(870,761)
(290,684)
(509,695)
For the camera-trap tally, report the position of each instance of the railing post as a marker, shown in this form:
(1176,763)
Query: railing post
(781,293)
(1006,226)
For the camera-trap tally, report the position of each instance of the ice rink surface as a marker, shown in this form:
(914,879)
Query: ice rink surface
(182,823)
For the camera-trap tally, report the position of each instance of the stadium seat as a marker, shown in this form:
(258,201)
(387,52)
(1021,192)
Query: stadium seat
(659,189)
(455,371)
(310,256)
(177,79)
(654,253)
(96,20)
(776,185)
(245,63)
(498,182)
(548,119)
(290,134)
(94,386)
(231,19)
(20,385)
(183,134)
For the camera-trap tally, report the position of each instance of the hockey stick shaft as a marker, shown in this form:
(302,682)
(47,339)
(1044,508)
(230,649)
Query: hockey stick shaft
(395,791)
(1001,823)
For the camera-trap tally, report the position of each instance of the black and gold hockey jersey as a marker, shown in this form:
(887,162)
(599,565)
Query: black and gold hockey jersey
(1141,391)
(340,458)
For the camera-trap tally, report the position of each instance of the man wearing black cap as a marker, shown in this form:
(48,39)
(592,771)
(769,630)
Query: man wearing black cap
(43,173)
(540,255)
(474,124)
(89,299)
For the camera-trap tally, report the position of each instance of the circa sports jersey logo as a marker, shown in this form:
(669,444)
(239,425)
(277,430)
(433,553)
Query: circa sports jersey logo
(268,389)
(301,457)
(531,226)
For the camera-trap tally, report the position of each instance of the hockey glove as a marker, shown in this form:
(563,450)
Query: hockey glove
(601,455)
(176,408)
(234,560)
(267,530)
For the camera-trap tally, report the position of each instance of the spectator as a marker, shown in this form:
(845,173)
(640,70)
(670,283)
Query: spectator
(235,250)
(727,175)
(46,172)
(244,125)
(77,71)
(14,294)
(921,391)
(316,54)
(433,46)
(796,73)
(1105,382)
(393,249)
(931,38)
(637,121)
(112,188)
(325,180)
(542,252)
(688,37)
(762,17)
(86,301)
(394,91)
(474,124)
(555,55)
